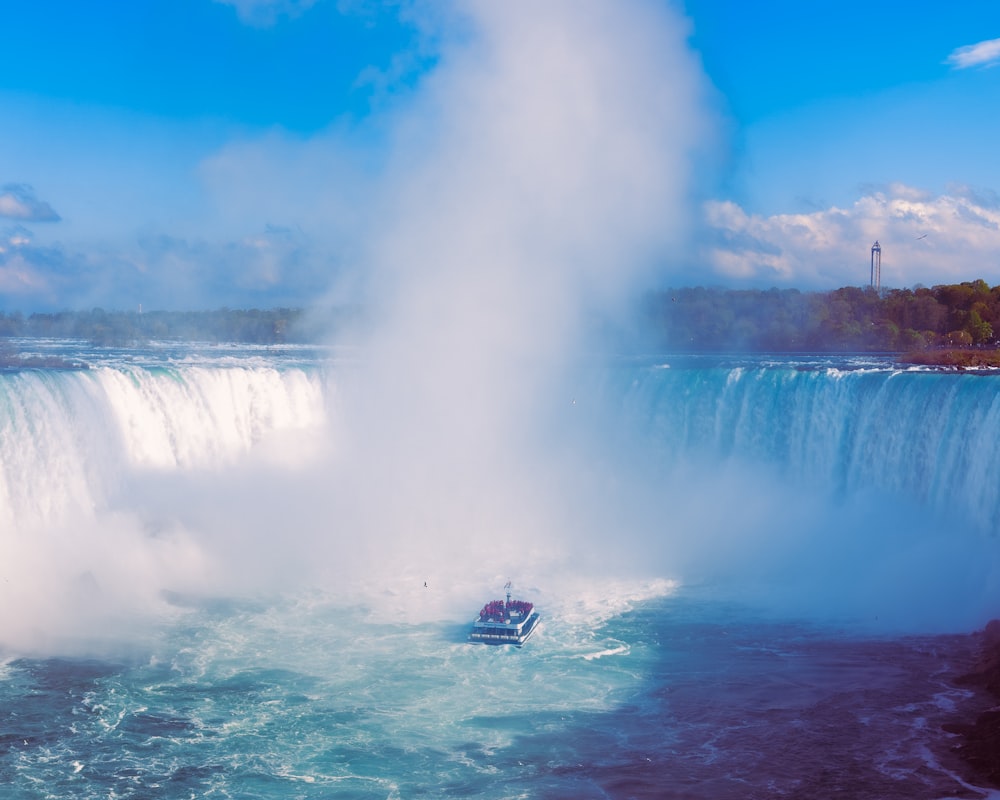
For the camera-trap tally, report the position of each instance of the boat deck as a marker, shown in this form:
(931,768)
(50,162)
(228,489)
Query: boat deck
(517,633)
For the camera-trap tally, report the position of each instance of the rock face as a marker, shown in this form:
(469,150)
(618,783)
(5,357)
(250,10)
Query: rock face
(980,748)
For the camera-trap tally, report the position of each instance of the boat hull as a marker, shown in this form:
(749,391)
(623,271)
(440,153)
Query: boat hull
(504,633)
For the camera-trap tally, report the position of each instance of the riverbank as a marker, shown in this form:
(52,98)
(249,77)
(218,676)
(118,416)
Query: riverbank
(953,359)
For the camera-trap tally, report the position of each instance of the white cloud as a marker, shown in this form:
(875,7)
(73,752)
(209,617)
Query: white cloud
(925,239)
(18,201)
(976,55)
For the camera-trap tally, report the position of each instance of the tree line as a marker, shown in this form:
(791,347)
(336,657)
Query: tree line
(125,328)
(686,319)
(847,319)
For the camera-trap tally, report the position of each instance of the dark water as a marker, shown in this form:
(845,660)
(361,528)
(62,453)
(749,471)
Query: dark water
(741,708)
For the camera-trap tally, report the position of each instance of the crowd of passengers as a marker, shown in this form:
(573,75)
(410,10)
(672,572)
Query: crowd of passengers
(498,611)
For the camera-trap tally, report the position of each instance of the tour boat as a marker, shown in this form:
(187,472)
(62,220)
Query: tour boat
(505,623)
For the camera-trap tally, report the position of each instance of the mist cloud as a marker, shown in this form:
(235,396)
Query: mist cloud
(539,173)
(543,165)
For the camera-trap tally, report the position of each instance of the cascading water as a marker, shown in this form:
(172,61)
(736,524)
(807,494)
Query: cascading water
(932,438)
(67,439)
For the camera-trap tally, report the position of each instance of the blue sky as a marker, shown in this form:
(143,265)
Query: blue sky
(198,153)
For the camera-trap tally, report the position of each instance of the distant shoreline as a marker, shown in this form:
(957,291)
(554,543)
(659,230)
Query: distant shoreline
(17,362)
(957,358)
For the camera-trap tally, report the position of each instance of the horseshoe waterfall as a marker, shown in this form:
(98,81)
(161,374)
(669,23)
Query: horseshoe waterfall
(224,574)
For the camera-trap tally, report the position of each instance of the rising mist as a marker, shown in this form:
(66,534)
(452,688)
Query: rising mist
(540,176)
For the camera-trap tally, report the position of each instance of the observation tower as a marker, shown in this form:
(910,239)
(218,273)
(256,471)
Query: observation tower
(876,279)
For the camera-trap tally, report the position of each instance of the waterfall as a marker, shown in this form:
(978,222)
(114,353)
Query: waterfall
(930,437)
(68,438)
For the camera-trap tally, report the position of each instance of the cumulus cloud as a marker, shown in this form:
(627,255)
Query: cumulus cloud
(265,13)
(981,54)
(925,238)
(18,201)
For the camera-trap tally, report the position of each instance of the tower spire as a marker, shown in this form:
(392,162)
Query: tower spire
(876,279)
